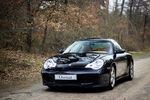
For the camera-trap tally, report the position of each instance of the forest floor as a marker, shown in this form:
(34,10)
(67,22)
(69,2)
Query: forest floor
(20,70)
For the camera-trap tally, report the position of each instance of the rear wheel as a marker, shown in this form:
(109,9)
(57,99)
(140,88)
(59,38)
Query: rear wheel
(131,71)
(112,79)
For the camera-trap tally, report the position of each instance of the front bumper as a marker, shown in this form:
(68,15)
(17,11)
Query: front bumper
(85,78)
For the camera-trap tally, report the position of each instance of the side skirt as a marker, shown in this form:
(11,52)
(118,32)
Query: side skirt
(120,77)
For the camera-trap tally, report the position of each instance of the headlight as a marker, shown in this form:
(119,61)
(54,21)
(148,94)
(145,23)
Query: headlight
(96,64)
(49,64)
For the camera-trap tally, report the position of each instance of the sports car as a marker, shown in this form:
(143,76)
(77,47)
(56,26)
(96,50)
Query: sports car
(88,63)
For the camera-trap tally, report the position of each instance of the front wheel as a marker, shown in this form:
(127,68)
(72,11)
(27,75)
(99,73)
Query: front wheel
(112,79)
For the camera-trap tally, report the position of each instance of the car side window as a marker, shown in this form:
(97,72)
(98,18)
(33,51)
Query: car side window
(116,46)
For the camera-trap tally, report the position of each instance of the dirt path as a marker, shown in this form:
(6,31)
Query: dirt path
(138,89)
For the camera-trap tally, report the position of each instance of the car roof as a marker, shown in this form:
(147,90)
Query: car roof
(97,39)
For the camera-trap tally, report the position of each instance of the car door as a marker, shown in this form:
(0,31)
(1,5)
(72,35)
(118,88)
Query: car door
(120,60)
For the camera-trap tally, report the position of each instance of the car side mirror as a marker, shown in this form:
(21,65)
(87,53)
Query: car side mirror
(120,51)
(61,50)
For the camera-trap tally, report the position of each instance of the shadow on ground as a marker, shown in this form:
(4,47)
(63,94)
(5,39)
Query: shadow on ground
(84,90)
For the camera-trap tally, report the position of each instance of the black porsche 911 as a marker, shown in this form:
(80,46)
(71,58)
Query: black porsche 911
(88,63)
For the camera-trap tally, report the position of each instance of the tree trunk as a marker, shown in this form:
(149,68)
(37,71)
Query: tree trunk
(122,7)
(116,6)
(45,34)
(137,7)
(144,28)
(107,11)
(131,6)
(66,2)
(29,25)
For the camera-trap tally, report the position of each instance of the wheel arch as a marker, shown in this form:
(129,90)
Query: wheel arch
(130,60)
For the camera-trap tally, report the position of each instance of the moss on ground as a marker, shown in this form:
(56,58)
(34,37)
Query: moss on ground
(141,53)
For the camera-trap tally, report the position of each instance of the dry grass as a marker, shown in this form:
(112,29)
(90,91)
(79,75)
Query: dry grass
(16,66)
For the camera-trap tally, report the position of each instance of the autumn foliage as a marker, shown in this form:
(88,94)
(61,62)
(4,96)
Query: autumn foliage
(47,26)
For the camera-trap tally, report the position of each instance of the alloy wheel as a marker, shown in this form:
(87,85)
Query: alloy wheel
(112,77)
(131,71)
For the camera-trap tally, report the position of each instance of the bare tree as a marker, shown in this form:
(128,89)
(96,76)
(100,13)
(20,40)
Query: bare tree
(122,7)
(29,25)
(107,11)
(145,22)
(116,6)
(31,12)
(131,7)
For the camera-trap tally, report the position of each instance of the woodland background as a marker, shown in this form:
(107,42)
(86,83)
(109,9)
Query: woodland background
(33,30)
(45,26)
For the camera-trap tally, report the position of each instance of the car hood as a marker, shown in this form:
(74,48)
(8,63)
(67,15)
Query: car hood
(75,60)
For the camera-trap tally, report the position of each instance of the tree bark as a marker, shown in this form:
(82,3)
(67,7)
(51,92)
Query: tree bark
(122,7)
(116,6)
(107,11)
(131,6)
(45,34)
(137,7)
(66,2)
(144,28)
(29,24)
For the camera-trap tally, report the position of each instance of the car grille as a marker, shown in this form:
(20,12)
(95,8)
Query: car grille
(48,77)
(80,79)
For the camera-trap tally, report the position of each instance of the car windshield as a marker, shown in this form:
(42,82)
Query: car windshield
(104,47)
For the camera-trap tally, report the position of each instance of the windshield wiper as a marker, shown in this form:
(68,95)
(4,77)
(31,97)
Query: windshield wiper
(96,52)
(72,53)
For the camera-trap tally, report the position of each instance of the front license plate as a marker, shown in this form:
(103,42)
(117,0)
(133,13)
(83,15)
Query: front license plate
(65,77)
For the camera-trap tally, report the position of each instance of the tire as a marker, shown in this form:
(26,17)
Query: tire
(131,71)
(112,79)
